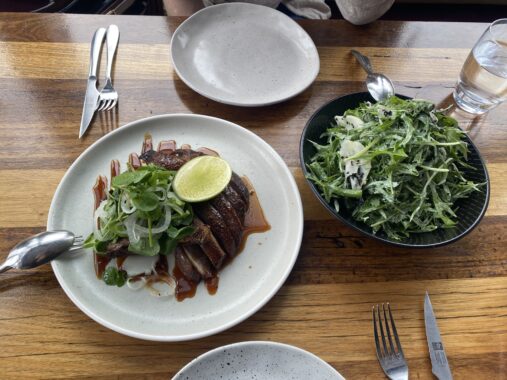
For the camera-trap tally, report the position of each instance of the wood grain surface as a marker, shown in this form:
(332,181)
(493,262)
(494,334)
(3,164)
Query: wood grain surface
(325,305)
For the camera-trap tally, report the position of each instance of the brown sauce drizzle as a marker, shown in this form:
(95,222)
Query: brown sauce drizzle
(255,221)
(100,190)
(184,287)
(115,168)
(212,284)
(162,265)
(100,194)
(101,262)
(119,261)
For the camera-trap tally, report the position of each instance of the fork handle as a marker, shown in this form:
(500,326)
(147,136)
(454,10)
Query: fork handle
(112,38)
(97,40)
(364,61)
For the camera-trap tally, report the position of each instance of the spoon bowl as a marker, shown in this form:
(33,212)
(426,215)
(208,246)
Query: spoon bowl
(40,249)
(379,86)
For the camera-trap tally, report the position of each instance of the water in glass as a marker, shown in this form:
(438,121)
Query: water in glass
(482,84)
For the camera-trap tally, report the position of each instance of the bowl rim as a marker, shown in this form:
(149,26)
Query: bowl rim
(371,234)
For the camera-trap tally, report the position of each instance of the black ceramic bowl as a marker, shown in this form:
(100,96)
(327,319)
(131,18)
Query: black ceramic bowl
(469,211)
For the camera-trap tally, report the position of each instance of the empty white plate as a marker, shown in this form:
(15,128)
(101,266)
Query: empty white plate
(244,54)
(245,285)
(258,360)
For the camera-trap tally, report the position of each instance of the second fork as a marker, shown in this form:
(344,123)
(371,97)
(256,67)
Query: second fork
(390,356)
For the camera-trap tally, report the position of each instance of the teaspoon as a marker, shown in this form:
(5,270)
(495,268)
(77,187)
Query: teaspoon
(379,86)
(40,249)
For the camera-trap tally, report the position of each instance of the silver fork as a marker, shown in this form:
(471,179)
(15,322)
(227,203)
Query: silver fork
(390,357)
(108,96)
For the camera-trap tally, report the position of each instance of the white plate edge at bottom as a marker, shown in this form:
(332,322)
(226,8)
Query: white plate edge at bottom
(257,343)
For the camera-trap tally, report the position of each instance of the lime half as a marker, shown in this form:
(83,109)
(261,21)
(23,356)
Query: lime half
(202,178)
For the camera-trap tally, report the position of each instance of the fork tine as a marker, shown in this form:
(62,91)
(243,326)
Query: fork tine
(395,333)
(101,105)
(375,332)
(388,330)
(111,105)
(384,344)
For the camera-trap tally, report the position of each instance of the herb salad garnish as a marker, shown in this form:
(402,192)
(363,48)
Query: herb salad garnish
(141,206)
(397,164)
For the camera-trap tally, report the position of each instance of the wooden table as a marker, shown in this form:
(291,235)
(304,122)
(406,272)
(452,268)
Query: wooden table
(326,303)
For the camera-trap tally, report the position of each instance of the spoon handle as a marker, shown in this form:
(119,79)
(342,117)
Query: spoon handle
(364,61)
(4,268)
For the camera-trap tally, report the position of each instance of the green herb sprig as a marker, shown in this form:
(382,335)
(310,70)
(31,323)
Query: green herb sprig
(142,206)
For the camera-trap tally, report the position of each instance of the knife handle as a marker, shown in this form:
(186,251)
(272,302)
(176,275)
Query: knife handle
(97,40)
(112,38)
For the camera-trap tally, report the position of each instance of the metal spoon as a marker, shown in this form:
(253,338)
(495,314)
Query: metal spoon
(40,249)
(379,86)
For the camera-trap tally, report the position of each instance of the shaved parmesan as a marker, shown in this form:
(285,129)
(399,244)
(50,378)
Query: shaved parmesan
(349,122)
(356,171)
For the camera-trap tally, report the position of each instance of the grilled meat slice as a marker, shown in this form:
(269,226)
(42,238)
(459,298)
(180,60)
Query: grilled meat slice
(170,159)
(236,202)
(185,266)
(238,185)
(199,260)
(210,216)
(204,238)
(231,219)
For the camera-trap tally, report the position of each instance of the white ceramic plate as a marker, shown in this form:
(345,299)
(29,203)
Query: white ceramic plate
(244,54)
(245,285)
(258,360)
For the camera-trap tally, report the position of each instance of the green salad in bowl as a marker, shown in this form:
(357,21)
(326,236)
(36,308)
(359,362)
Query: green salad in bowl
(394,168)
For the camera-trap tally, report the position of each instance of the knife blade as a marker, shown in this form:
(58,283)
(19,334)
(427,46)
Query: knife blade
(92,94)
(439,363)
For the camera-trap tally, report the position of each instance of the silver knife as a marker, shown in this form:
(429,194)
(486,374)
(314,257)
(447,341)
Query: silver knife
(92,94)
(439,364)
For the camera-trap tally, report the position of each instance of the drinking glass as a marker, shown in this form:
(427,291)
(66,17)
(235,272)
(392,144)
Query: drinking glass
(482,84)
